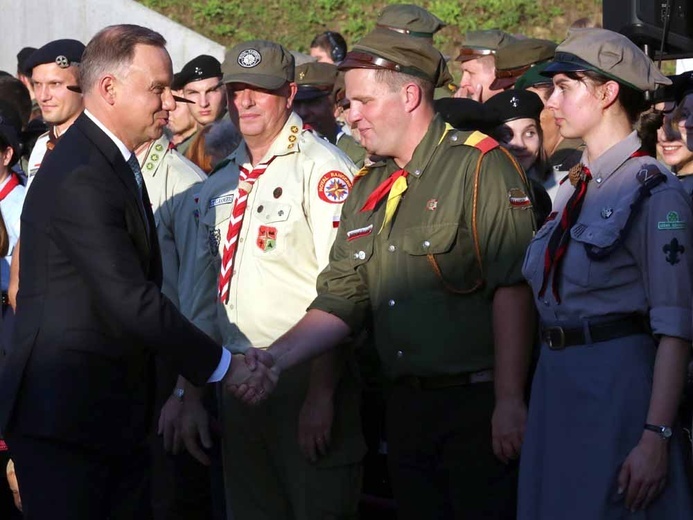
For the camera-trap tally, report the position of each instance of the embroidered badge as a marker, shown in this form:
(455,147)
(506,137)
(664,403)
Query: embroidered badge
(214,241)
(519,199)
(672,250)
(646,173)
(672,222)
(359,233)
(432,204)
(249,58)
(334,187)
(267,238)
(225,199)
(607,212)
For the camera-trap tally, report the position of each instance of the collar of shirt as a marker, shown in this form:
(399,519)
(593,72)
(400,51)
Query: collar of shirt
(154,156)
(287,142)
(123,149)
(424,150)
(608,162)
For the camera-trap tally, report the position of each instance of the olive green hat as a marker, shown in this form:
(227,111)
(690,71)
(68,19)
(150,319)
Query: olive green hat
(515,59)
(608,53)
(259,63)
(389,50)
(483,43)
(315,80)
(534,77)
(409,19)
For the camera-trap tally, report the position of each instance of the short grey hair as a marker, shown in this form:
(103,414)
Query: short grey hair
(112,50)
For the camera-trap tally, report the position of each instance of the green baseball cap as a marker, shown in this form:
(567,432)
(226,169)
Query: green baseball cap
(608,53)
(389,50)
(409,19)
(483,43)
(259,63)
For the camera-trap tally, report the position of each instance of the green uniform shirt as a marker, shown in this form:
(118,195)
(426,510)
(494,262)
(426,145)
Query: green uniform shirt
(421,326)
(354,150)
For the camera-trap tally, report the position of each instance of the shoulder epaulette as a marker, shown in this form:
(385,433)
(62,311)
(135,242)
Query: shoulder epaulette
(481,141)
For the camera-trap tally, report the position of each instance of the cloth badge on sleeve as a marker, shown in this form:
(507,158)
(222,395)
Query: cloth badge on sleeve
(673,250)
(672,223)
(519,199)
(225,199)
(334,187)
(359,233)
(267,238)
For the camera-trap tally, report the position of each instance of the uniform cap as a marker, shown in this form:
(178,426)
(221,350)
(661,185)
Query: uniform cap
(61,52)
(315,80)
(515,104)
(259,63)
(389,50)
(409,19)
(199,68)
(681,85)
(483,43)
(608,53)
(515,59)
(534,77)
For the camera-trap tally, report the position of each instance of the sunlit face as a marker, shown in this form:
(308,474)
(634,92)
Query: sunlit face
(59,106)
(672,148)
(321,55)
(143,97)
(376,111)
(209,99)
(522,138)
(479,72)
(574,106)
(181,120)
(259,114)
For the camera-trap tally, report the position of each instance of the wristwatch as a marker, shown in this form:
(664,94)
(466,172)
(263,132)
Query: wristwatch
(179,393)
(663,431)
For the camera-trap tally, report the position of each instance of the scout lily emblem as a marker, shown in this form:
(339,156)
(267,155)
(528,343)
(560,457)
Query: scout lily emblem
(267,238)
(672,250)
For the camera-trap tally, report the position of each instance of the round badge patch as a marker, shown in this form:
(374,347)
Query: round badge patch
(334,187)
(249,58)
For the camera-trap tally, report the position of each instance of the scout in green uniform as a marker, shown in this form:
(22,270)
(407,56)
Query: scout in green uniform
(430,246)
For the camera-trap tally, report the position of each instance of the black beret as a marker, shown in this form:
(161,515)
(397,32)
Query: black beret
(202,67)
(61,52)
(22,57)
(681,85)
(465,114)
(515,104)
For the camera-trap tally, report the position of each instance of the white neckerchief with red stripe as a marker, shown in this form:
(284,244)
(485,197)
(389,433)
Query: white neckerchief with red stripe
(245,186)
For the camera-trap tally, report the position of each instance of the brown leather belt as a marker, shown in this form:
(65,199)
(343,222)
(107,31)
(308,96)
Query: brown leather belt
(445,380)
(558,338)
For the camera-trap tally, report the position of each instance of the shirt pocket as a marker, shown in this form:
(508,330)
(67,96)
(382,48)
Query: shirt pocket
(585,270)
(450,253)
(273,230)
(215,226)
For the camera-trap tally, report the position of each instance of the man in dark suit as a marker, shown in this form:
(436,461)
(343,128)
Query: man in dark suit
(76,394)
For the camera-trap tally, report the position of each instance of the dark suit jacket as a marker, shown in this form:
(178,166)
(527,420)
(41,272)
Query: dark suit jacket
(90,313)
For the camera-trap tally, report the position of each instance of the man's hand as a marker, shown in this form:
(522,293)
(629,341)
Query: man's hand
(508,428)
(194,427)
(249,378)
(314,427)
(169,424)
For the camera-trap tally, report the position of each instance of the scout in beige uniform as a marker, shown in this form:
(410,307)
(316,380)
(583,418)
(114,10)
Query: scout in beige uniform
(288,458)
(430,247)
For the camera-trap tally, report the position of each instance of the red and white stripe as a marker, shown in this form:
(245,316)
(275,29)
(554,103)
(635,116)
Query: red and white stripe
(245,186)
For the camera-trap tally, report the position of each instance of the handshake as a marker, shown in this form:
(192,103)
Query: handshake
(252,376)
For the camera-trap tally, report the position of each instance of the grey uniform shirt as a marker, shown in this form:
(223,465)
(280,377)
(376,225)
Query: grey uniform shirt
(648,273)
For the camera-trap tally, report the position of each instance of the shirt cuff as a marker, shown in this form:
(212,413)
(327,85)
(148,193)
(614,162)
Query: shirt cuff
(222,367)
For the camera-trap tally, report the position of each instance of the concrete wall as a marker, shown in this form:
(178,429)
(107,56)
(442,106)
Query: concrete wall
(36,22)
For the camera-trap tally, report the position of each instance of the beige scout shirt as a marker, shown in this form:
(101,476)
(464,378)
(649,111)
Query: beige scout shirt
(173,184)
(36,157)
(289,225)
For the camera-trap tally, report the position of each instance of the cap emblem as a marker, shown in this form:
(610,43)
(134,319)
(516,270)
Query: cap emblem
(198,71)
(514,101)
(249,58)
(62,62)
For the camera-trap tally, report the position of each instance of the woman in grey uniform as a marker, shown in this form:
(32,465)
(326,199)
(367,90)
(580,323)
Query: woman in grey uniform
(611,274)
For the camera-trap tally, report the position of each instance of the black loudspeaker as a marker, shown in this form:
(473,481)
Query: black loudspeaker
(644,22)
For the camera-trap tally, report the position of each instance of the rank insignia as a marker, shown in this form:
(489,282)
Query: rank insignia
(214,241)
(334,187)
(519,199)
(647,172)
(432,204)
(360,232)
(672,222)
(673,250)
(607,212)
(267,238)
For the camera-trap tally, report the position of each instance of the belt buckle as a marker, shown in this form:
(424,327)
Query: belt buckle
(554,337)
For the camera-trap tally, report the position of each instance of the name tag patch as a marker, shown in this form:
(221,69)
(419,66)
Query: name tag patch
(225,199)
